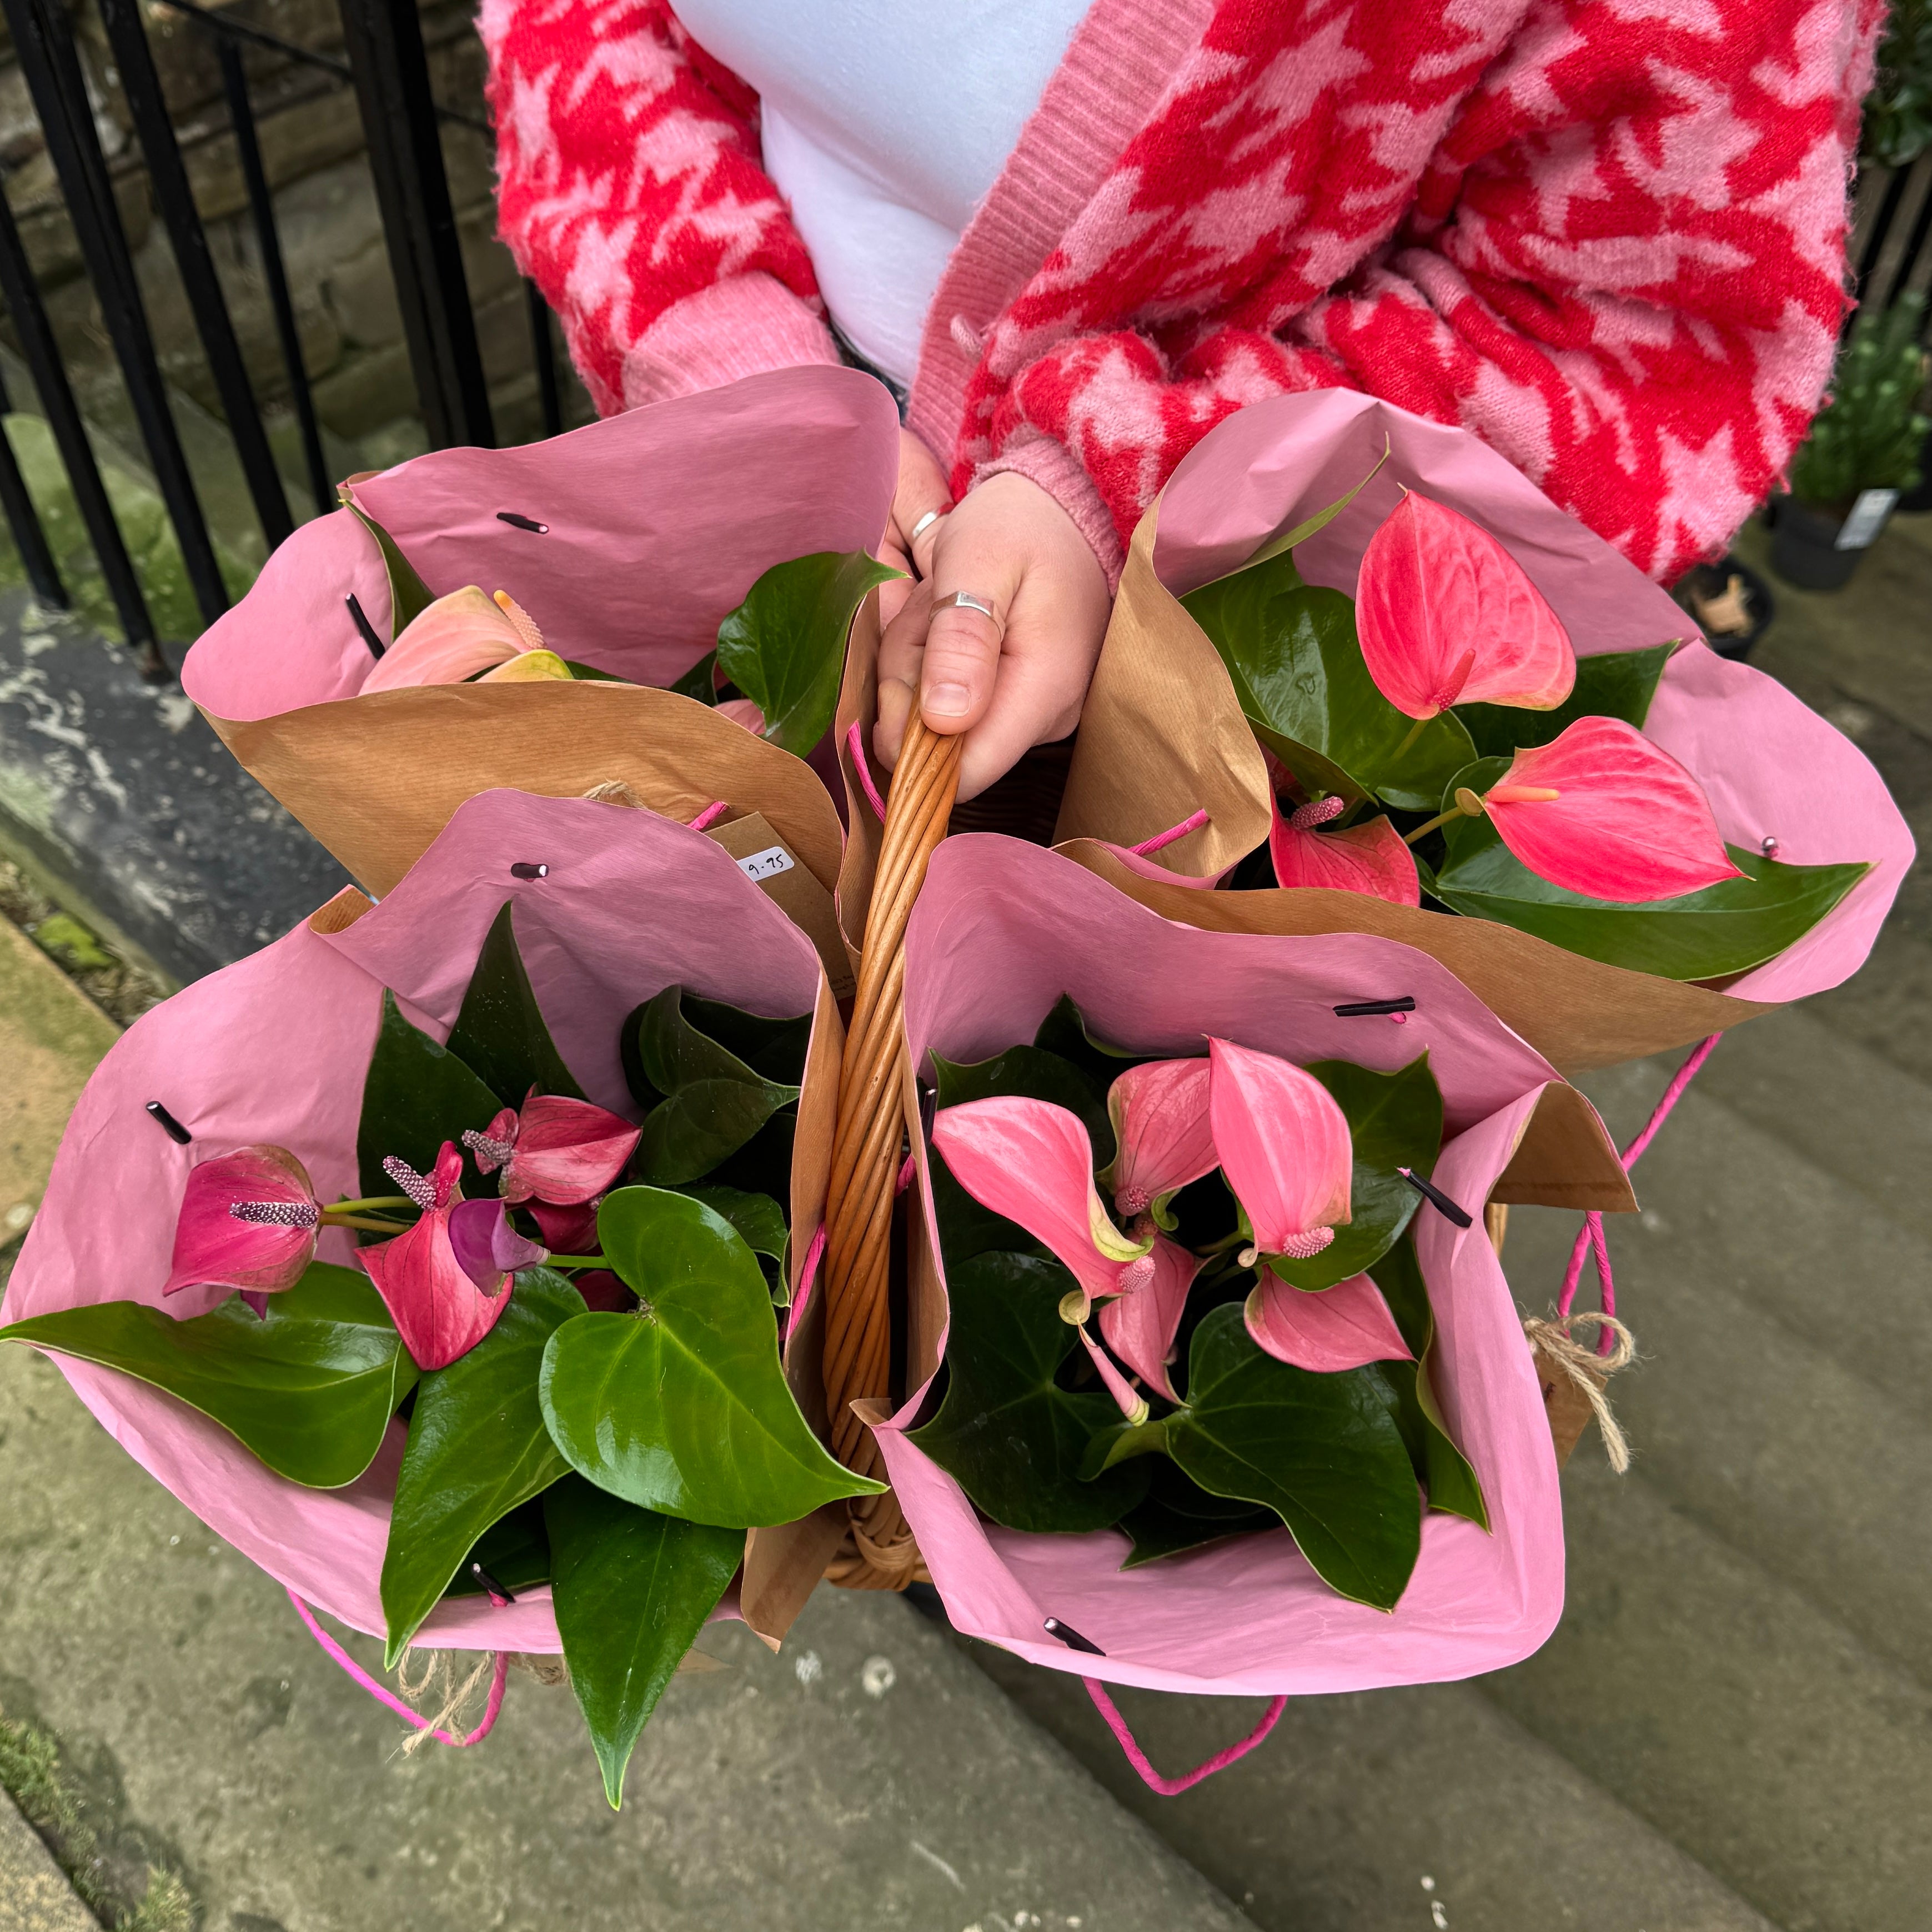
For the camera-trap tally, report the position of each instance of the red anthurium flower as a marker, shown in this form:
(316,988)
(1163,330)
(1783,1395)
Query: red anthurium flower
(563,1151)
(1369,858)
(438,1309)
(1159,1112)
(248,1221)
(1033,1162)
(1284,1146)
(455,638)
(487,1247)
(1603,812)
(1446,616)
(567,1231)
(1340,1328)
(1140,1325)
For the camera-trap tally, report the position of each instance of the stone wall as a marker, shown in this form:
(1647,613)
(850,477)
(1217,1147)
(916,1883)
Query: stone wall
(326,214)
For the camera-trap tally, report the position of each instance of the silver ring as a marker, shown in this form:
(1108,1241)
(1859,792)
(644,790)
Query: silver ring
(961,600)
(924,524)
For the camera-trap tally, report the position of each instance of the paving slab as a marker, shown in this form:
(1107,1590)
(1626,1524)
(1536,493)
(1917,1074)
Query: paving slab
(35,1897)
(868,1776)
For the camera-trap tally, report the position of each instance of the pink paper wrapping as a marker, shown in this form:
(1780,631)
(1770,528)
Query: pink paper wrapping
(660,520)
(1000,931)
(273,1049)
(1769,764)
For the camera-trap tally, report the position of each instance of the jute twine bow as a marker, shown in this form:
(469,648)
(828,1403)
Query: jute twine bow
(1588,1370)
(438,1678)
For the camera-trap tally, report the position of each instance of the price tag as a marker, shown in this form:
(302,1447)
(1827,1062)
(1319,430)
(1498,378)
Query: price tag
(767,864)
(1860,530)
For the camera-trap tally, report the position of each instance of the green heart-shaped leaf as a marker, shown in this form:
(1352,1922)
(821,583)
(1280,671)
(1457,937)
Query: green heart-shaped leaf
(415,1096)
(1442,1467)
(515,1551)
(1291,651)
(712,1103)
(1611,684)
(774,1048)
(1321,1451)
(1063,1032)
(632,1590)
(1006,1432)
(477,1448)
(1395,1120)
(700,681)
(500,1033)
(1032,1073)
(309,1387)
(409,596)
(759,1220)
(785,646)
(1725,929)
(1178,1514)
(682,1406)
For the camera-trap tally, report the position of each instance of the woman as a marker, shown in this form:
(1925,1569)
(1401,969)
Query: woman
(1607,235)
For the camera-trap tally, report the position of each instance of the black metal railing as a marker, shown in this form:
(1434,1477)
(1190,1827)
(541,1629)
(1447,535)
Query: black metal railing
(388,66)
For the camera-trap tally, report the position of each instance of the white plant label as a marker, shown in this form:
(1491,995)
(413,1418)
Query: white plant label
(767,864)
(1860,530)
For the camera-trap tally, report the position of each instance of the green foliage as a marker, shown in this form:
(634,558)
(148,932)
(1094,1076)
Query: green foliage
(1898,127)
(1611,684)
(416,1096)
(785,646)
(409,596)
(309,1387)
(1030,1073)
(499,1031)
(1870,435)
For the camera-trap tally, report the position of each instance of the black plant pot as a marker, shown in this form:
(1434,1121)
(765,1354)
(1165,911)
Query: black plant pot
(1804,547)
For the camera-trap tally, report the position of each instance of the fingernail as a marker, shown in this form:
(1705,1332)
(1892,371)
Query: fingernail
(947,700)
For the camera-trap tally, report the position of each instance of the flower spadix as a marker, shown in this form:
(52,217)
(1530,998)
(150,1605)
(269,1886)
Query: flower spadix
(1339,1328)
(1603,812)
(248,1221)
(554,1149)
(1140,1325)
(1283,1144)
(453,639)
(1033,1162)
(1446,616)
(438,1309)
(1159,1112)
(1369,858)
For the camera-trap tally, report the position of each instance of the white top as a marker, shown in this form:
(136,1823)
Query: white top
(885,123)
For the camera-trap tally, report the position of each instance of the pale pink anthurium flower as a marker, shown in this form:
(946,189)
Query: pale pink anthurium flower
(1369,858)
(438,1308)
(1603,812)
(1328,1330)
(743,711)
(1033,1162)
(1159,1113)
(454,639)
(1284,1145)
(556,1150)
(1446,616)
(248,1221)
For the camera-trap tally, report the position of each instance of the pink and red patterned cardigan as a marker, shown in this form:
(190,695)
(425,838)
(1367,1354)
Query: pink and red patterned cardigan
(1607,235)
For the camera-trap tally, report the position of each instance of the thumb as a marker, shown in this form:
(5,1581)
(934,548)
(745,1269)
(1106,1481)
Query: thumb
(971,593)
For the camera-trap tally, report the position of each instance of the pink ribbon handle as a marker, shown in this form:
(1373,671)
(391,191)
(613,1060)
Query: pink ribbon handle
(1172,1787)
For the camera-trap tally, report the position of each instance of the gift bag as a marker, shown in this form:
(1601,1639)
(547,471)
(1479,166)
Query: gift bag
(1164,744)
(596,912)
(627,543)
(1011,947)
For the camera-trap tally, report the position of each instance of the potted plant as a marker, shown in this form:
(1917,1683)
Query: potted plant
(1863,451)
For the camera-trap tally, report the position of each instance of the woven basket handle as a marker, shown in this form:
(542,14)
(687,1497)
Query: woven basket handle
(879,1553)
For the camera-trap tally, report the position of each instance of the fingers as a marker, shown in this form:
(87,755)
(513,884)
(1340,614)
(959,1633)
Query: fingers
(920,499)
(902,647)
(961,661)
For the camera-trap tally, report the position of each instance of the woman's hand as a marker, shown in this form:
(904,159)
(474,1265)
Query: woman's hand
(1013,680)
(921,490)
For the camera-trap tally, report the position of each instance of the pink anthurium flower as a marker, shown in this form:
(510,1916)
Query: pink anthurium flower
(743,711)
(438,1309)
(1033,1162)
(1446,616)
(248,1221)
(1369,858)
(1340,1328)
(1134,1407)
(487,1247)
(1140,1325)
(455,638)
(1284,1146)
(1159,1112)
(1603,812)
(556,1150)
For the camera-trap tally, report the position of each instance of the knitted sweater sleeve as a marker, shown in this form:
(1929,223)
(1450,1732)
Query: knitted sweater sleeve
(1623,268)
(629,190)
